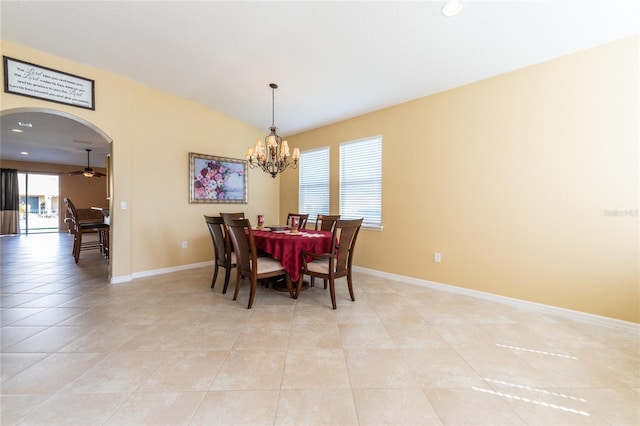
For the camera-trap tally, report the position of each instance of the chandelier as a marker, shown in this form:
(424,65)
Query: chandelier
(272,155)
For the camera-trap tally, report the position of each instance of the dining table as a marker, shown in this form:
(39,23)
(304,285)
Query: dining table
(287,246)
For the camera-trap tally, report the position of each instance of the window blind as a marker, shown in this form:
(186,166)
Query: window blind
(361,181)
(313,195)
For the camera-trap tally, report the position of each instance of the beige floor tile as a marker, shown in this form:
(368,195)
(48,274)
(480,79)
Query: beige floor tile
(618,406)
(165,350)
(52,374)
(365,336)
(319,369)
(118,372)
(94,316)
(357,313)
(465,406)
(551,406)
(440,368)
(201,338)
(10,316)
(12,335)
(50,339)
(500,363)
(13,364)
(48,301)
(158,337)
(239,407)
(185,371)
(76,409)
(306,313)
(316,407)
(156,408)
(17,300)
(103,339)
(315,336)
(48,317)
(379,368)
(16,407)
(251,370)
(268,336)
(415,334)
(394,407)
(272,313)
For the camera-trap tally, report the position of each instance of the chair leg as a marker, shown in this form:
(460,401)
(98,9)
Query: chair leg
(299,286)
(215,275)
(332,290)
(252,293)
(77,246)
(325,284)
(350,285)
(227,276)
(290,286)
(238,281)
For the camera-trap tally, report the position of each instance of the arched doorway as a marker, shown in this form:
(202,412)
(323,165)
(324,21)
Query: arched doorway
(53,137)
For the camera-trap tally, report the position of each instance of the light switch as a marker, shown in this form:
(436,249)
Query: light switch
(123,205)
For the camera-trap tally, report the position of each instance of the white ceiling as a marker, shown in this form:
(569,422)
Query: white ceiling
(332,59)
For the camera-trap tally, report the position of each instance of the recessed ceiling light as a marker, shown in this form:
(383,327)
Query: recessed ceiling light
(24,124)
(451,8)
(16,130)
(24,153)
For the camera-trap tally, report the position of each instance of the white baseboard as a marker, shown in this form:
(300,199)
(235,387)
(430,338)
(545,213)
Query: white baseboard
(162,271)
(518,303)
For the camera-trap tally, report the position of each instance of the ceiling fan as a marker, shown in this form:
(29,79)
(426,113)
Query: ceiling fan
(88,171)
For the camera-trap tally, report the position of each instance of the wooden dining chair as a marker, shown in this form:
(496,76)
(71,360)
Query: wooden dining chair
(302,223)
(249,265)
(337,263)
(79,229)
(325,222)
(224,256)
(238,215)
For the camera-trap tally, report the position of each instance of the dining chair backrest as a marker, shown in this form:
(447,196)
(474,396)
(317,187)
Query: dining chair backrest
(216,229)
(343,240)
(241,236)
(73,215)
(325,222)
(238,215)
(302,221)
(224,256)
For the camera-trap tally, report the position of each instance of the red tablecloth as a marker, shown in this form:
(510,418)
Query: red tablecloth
(287,248)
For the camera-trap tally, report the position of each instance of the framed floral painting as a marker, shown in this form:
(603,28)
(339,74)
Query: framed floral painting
(217,179)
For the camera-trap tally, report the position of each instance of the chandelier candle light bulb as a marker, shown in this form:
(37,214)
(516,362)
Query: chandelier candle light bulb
(273,154)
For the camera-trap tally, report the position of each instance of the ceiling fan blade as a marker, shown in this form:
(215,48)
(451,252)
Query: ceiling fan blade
(88,171)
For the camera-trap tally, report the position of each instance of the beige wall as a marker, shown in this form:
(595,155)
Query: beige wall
(514,180)
(509,178)
(84,192)
(152,134)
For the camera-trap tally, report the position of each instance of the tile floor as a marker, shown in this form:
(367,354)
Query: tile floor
(168,350)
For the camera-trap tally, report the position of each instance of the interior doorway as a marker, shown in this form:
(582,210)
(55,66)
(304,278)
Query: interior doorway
(39,202)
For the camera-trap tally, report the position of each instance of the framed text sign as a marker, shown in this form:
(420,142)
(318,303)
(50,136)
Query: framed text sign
(34,81)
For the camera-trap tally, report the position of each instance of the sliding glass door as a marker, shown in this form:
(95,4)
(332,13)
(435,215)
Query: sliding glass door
(39,202)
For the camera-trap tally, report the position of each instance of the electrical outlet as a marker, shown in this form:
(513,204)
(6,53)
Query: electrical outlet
(184,244)
(437,257)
